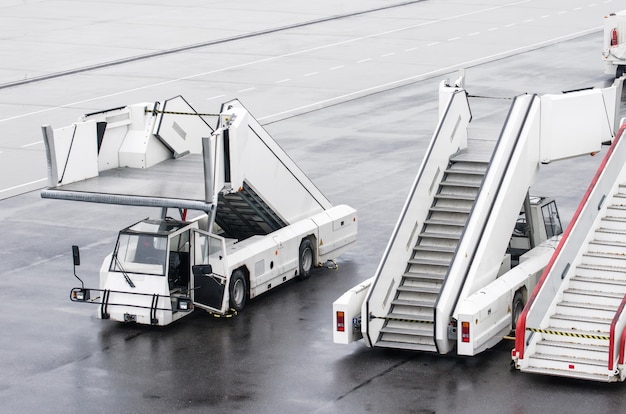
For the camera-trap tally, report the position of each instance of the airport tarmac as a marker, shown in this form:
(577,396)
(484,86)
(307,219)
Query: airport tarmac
(360,135)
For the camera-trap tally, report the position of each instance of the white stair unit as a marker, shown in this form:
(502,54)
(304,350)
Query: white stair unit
(574,325)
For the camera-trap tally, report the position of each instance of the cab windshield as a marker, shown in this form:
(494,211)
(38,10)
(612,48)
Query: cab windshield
(140,253)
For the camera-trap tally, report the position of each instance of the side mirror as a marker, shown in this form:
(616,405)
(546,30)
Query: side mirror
(204,269)
(76,255)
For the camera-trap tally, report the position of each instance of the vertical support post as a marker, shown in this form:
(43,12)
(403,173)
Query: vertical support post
(48,140)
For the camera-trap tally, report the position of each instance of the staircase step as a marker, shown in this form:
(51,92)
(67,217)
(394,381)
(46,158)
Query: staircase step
(429,262)
(437,248)
(576,336)
(601,311)
(418,329)
(421,276)
(562,370)
(435,235)
(594,297)
(459,209)
(601,271)
(597,285)
(417,289)
(447,220)
(405,345)
(607,234)
(604,259)
(572,350)
(574,324)
(613,222)
(459,183)
(455,197)
(421,304)
(407,317)
(601,246)
(454,222)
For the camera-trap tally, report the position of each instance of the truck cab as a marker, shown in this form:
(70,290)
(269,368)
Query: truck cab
(148,272)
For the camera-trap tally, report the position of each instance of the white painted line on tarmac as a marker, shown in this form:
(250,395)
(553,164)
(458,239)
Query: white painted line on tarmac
(22,185)
(31,144)
(426,75)
(215,97)
(283,80)
(337,67)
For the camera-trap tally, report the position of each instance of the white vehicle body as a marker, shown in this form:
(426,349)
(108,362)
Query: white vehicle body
(446,280)
(614,43)
(259,220)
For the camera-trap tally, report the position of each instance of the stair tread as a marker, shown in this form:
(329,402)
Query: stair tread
(455,197)
(434,235)
(588,306)
(404,345)
(576,360)
(580,318)
(450,209)
(432,262)
(418,289)
(406,331)
(441,249)
(422,275)
(581,332)
(573,345)
(409,317)
(598,280)
(566,373)
(602,267)
(445,222)
(586,292)
(415,303)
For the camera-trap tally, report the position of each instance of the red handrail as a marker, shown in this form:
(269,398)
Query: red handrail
(622,347)
(520,328)
(620,309)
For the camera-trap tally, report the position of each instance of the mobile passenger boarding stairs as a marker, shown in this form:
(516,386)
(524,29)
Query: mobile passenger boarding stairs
(454,230)
(575,323)
(410,321)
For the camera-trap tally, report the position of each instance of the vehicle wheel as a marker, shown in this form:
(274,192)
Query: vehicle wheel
(238,290)
(305,256)
(516,309)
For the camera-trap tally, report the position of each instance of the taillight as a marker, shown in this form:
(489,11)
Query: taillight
(614,37)
(465,332)
(341,326)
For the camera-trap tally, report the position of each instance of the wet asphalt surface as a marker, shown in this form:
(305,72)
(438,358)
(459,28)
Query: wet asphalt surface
(277,356)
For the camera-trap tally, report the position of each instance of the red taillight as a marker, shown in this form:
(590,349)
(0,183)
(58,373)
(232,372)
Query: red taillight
(341,327)
(614,37)
(465,332)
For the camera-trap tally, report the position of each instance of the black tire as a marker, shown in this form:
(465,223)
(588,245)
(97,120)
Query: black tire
(305,259)
(517,306)
(238,290)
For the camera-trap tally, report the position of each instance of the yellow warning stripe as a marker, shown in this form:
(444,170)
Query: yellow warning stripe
(156,111)
(572,334)
(402,320)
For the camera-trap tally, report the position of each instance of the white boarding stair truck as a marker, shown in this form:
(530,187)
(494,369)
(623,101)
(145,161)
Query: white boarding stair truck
(445,280)
(249,218)
(574,324)
(614,44)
